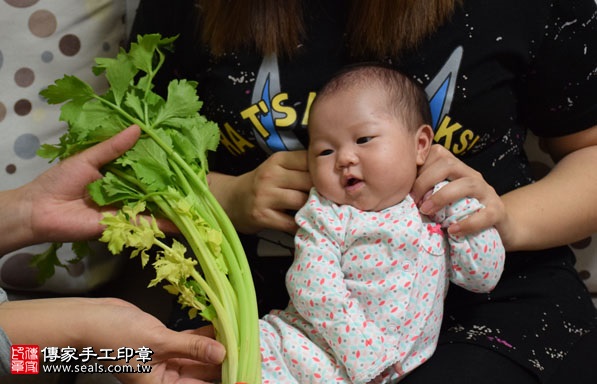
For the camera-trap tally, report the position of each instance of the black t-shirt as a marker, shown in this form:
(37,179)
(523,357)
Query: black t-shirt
(496,69)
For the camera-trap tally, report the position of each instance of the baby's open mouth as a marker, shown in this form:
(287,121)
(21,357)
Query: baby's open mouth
(352,181)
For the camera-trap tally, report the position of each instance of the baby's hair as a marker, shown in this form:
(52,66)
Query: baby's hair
(406,98)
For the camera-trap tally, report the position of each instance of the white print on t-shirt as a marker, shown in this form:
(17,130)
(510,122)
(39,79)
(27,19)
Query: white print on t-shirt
(274,122)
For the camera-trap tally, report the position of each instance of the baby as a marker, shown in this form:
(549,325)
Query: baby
(370,272)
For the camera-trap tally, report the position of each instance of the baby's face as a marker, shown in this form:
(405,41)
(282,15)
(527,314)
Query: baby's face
(360,153)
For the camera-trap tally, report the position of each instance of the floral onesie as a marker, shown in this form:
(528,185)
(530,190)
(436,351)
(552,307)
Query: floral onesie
(367,290)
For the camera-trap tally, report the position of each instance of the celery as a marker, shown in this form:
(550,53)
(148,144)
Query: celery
(165,174)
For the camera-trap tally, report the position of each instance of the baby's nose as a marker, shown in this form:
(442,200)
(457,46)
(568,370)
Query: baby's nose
(346,158)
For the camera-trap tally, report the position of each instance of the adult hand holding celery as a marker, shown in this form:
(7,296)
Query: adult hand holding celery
(165,173)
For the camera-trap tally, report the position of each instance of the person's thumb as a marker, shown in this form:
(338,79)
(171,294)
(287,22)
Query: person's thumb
(195,347)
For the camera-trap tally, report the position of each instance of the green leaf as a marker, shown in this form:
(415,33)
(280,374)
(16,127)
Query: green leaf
(208,313)
(182,101)
(142,53)
(67,88)
(127,229)
(81,249)
(46,262)
(150,165)
(120,72)
(48,151)
(173,266)
(134,102)
(192,138)
(96,122)
(110,190)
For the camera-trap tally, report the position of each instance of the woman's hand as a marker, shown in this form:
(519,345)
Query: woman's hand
(61,207)
(56,206)
(267,196)
(113,324)
(192,357)
(464,182)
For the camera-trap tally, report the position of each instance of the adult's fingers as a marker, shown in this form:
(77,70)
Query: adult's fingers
(486,217)
(206,330)
(195,347)
(482,219)
(279,212)
(296,160)
(440,165)
(194,373)
(296,181)
(112,148)
(454,191)
(286,170)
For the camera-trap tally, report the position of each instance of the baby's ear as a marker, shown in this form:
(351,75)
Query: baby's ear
(423,141)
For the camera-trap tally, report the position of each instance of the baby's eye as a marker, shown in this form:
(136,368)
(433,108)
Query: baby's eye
(365,139)
(326,152)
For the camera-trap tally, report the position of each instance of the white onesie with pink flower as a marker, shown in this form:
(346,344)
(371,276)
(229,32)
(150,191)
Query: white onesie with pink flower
(367,290)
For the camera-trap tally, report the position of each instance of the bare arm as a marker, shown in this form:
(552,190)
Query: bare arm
(560,208)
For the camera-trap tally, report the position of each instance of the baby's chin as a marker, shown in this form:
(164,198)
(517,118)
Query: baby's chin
(372,204)
(364,199)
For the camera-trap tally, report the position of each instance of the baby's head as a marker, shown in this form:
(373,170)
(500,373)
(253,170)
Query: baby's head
(368,132)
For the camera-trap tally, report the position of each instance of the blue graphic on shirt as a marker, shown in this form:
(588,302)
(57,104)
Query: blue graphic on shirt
(440,91)
(272,138)
(436,103)
(273,141)
(267,86)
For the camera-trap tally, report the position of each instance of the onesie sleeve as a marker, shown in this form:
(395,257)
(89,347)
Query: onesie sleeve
(318,291)
(476,261)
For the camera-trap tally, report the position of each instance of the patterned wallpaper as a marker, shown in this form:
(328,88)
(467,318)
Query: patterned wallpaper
(40,41)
